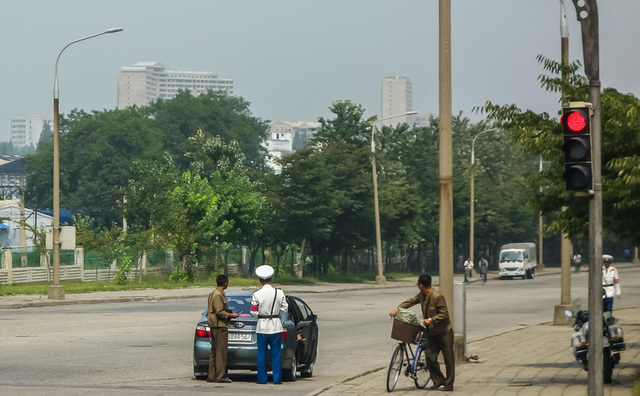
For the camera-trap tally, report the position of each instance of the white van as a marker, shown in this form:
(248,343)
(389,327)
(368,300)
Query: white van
(518,259)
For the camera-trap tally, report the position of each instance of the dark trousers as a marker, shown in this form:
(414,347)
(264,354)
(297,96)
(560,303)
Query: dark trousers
(607,304)
(274,342)
(218,354)
(444,344)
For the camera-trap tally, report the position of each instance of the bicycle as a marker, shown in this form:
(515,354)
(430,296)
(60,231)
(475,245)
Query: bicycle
(416,363)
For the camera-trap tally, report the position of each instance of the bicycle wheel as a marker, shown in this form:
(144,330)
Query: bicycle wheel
(423,375)
(395,367)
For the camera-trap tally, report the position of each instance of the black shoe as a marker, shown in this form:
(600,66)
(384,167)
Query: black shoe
(434,386)
(210,380)
(224,381)
(448,388)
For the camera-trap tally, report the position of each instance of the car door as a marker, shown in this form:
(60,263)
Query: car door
(307,326)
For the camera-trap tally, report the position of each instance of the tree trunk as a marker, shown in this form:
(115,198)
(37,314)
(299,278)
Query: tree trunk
(301,259)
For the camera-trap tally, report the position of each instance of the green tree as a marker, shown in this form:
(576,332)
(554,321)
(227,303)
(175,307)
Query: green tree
(216,114)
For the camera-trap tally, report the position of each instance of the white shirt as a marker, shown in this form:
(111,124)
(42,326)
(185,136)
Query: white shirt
(468,264)
(610,281)
(261,303)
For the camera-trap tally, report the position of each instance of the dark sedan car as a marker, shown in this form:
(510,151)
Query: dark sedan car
(297,355)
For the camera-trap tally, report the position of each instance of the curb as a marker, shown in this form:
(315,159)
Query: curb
(326,388)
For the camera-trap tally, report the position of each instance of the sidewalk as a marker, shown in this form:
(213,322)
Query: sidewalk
(535,360)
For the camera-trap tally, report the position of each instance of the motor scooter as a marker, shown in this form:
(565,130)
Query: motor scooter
(612,341)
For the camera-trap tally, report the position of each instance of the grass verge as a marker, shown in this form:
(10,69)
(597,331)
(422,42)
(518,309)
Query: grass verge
(163,282)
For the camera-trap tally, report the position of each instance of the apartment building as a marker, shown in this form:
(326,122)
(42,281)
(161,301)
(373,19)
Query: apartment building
(144,82)
(25,130)
(285,137)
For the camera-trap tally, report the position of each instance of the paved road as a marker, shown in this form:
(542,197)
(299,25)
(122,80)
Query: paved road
(144,347)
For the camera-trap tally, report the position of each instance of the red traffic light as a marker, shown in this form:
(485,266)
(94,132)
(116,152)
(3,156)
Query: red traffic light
(576,121)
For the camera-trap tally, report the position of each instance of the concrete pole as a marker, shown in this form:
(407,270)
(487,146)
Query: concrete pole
(540,232)
(636,260)
(472,214)
(446,171)
(380,278)
(56,290)
(559,318)
(587,13)
(23,232)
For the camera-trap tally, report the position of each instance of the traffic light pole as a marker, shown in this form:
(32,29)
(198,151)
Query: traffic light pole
(587,13)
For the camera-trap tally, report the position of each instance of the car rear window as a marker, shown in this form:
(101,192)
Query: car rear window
(240,305)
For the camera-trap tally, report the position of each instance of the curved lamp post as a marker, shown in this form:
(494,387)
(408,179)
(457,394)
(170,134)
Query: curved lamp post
(472,209)
(56,290)
(380,279)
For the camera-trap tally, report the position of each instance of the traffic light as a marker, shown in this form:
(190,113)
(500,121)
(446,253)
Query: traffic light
(576,127)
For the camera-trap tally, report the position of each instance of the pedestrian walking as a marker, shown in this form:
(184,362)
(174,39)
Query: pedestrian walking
(610,283)
(468,269)
(577,262)
(268,304)
(219,317)
(460,264)
(483,267)
(438,323)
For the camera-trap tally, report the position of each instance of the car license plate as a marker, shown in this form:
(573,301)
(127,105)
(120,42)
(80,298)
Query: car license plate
(246,337)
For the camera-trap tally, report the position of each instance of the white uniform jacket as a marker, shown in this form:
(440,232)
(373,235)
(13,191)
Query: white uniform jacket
(610,281)
(267,311)
(468,264)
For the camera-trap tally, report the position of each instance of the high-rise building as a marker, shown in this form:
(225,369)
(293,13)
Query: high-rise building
(26,129)
(144,82)
(397,98)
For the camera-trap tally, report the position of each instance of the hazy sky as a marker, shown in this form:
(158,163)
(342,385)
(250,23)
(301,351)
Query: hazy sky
(292,58)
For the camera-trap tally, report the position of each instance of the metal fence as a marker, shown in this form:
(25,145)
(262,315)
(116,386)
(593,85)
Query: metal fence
(77,265)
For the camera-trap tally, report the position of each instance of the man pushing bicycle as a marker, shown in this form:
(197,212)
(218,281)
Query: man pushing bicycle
(436,319)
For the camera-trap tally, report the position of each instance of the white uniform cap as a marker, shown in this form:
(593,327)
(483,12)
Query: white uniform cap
(264,271)
(607,257)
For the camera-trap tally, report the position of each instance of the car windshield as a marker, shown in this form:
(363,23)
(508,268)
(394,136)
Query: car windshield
(240,305)
(510,256)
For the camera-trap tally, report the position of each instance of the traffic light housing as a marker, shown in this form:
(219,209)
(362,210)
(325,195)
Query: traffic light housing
(576,127)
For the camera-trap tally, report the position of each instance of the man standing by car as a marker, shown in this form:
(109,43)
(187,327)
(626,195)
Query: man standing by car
(219,318)
(268,304)
(436,318)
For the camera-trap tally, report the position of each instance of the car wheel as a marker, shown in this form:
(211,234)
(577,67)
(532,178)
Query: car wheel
(200,372)
(307,372)
(289,374)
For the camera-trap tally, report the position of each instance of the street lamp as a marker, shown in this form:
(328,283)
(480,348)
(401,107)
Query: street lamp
(380,279)
(56,290)
(473,172)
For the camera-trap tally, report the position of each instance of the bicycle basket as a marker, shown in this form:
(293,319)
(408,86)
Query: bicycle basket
(405,332)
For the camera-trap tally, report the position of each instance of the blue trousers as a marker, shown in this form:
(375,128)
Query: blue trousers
(607,304)
(274,342)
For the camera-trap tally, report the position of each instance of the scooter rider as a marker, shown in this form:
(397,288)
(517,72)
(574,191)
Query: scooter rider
(610,283)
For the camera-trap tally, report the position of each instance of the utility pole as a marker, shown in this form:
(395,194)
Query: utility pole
(23,231)
(559,318)
(587,13)
(446,168)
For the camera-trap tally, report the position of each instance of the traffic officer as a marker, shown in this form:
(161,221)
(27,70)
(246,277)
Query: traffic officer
(268,304)
(610,283)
